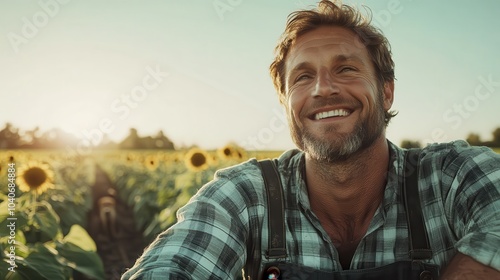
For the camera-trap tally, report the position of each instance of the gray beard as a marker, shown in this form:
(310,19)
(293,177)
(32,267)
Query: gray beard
(343,147)
(330,152)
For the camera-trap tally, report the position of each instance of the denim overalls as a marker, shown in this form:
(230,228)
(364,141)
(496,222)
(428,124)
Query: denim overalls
(413,269)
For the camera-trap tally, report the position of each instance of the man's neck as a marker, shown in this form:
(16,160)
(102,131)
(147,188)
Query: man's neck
(351,189)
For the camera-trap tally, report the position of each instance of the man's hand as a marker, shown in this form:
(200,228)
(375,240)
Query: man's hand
(465,267)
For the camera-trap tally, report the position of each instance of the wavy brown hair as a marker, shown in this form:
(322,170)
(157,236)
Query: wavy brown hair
(329,13)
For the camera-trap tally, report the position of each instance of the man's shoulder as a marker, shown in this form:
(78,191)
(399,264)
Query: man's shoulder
(458,146)
(457,150)
(450,157)
(247,175)
(250,168)
(458,157)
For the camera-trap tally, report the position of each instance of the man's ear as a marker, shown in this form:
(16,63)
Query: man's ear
(388,94)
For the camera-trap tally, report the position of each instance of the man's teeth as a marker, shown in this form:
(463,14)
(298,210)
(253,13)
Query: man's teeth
(333,113)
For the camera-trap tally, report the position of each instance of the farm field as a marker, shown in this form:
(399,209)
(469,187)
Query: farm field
(90,216)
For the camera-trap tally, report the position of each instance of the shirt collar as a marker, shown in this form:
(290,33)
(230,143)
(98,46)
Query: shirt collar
(394,179)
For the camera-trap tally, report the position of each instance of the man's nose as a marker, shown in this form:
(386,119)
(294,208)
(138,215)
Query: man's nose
(325,84)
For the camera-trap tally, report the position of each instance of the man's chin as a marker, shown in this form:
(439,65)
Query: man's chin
(332,151)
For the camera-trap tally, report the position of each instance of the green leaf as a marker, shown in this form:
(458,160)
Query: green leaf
(80,237)
(85,262)
(42,264)
(19,272)
(4,210)
(20,237)
(20,222)
(4,265)
(69,213)
(47,220)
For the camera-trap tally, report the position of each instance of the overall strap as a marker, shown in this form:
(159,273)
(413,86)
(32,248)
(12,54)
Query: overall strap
(419,241)
(275,209)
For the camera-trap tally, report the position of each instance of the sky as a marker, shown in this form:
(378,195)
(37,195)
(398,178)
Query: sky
(198,70)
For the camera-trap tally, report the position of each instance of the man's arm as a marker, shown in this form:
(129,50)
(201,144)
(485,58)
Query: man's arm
(212,233)
(472,195)
(463,267)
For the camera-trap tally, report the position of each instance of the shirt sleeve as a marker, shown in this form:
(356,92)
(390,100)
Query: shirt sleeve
(210,239)
(474,202)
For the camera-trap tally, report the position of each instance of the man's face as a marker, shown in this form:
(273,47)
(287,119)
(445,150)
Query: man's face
(334,104)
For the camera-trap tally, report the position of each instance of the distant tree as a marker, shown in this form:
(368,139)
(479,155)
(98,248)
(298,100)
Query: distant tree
(9,137)
(134,141)
(107,143)
(474,139)
(408,144)
(496,137)
(162,142)
(12,138)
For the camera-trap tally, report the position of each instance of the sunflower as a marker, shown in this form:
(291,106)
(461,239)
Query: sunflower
(176,157)
(3,169)
(232,152)
(226,152)
(131,157)
(13,157)
(151,162)
(36,177)
(240,154)
(196,159)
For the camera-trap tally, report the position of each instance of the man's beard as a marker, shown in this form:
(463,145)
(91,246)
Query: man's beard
(364,134)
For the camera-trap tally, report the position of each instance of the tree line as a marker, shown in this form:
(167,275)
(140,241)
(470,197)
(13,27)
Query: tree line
(473,139)
(12,137)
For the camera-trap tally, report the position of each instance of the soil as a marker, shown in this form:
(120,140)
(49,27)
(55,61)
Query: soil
(112,226)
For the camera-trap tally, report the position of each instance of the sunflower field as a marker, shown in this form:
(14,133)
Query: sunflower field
(77,217)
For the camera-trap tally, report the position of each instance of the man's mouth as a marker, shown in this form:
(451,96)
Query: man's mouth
(331,114)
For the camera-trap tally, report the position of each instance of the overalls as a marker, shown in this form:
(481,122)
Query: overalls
(413,269)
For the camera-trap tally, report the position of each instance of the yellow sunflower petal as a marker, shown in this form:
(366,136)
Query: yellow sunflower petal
(35,177)
(196,159)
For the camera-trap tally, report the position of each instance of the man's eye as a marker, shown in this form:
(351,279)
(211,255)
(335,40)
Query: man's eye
(302,77)
(346,69)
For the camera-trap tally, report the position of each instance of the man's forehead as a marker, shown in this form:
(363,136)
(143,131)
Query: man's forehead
(335,37)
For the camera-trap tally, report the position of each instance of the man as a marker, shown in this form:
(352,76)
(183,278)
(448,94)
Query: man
(346,215)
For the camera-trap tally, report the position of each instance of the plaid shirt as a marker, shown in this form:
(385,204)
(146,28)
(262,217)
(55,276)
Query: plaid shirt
(223,229)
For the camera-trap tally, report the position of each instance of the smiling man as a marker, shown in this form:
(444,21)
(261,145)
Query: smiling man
(348,203)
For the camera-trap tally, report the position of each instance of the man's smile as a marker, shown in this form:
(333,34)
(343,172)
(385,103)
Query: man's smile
(331,114)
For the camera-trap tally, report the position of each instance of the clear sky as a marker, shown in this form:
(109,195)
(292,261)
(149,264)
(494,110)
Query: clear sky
(198,70)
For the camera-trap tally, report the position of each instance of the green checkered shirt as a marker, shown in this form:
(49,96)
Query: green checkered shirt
(223,229)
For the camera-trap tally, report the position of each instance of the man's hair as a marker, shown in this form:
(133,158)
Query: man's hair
(330,14)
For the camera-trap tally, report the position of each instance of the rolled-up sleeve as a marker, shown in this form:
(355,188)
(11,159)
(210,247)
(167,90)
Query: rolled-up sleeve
(475,200)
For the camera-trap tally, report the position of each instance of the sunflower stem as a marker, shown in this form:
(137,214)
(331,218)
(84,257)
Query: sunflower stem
(34,204)
(198,179)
